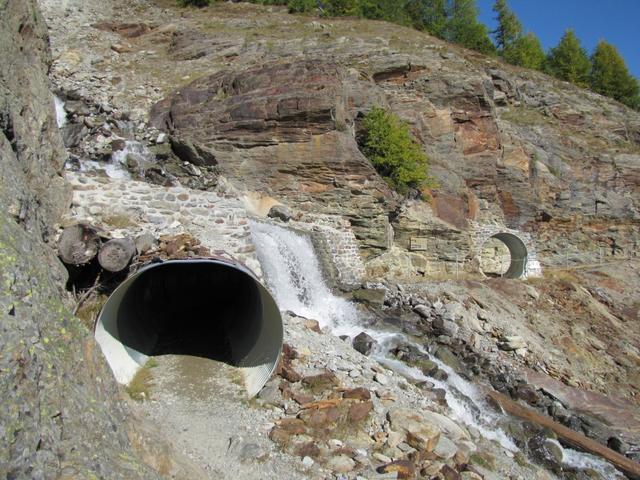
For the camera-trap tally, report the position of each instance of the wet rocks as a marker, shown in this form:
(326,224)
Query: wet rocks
(280,212)
(423,310)
(363,343)
(369,296)
(445,327)
(546,451)
(454,431)
(73,134)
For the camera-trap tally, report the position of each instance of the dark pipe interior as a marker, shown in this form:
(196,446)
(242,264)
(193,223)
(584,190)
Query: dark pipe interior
(205,310)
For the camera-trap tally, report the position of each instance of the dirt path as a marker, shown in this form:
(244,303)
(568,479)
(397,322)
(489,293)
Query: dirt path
(202,407)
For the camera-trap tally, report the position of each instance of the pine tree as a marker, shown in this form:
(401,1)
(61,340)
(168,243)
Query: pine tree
(302,6)
(429,15)
(569,61)
(509,27)
(464,28)
(388,144)
(610,76)
(337,8)
(525,51)
(390,10)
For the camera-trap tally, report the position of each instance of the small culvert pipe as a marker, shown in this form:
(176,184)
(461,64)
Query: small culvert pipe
(212,308)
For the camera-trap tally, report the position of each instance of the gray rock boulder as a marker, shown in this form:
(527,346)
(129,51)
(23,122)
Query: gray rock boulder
(280,212)
(363,343)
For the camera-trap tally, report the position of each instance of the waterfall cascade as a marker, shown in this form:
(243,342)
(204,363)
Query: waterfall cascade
(295,279)
(116,167)
(61,115)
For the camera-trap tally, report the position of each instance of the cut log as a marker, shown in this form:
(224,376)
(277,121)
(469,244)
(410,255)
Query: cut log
(116,254)
(573,438)
(78,244)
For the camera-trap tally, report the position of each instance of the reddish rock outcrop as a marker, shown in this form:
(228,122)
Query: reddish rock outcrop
(291,124)
(507,146)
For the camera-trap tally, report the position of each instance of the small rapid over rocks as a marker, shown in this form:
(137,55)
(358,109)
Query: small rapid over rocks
(294,276)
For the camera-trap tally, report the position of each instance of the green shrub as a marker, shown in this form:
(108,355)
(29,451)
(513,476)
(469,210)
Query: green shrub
(387,143)
(195,3)
(303,6)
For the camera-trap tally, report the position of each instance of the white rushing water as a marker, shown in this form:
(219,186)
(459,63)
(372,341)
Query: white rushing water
(61,114)
(295,278)
(465,401)
(116,167)
(580,460)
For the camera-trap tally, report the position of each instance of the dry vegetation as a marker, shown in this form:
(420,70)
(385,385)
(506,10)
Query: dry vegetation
(139,388)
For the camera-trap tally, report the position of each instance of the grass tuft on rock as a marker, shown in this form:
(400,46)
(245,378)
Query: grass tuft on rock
(89,310)
(139,388)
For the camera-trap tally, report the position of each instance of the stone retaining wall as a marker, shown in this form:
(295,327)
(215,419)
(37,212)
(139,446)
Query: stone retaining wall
(337,247)
(129,207)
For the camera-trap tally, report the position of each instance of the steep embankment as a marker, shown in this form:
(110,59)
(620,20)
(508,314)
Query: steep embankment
(274,103)
(509,148)
(283,95)
(60,415)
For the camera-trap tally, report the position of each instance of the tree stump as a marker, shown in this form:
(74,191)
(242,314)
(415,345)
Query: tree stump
(78,244)
(116,254)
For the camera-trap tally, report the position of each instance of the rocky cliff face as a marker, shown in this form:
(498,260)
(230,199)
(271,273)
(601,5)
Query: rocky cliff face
(274,103)
(507,146)
(289,122)
(60,416)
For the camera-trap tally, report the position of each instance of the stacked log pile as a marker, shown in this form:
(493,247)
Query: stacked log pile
(92,257)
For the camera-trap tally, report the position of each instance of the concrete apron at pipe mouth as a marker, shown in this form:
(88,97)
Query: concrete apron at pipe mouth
(209,308)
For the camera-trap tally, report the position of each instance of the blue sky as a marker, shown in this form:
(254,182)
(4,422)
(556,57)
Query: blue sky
(616,21)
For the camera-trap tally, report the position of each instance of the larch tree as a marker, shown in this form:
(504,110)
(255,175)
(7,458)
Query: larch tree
(428,15)
(526,51)
(464,28)
(569,61)
(610,75)
(509,27)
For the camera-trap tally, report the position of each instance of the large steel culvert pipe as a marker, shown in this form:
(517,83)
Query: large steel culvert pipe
(518,251)
(212,308)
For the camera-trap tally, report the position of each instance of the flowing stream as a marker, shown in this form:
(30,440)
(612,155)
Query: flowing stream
(61,114)
(116,167)
(294,276)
